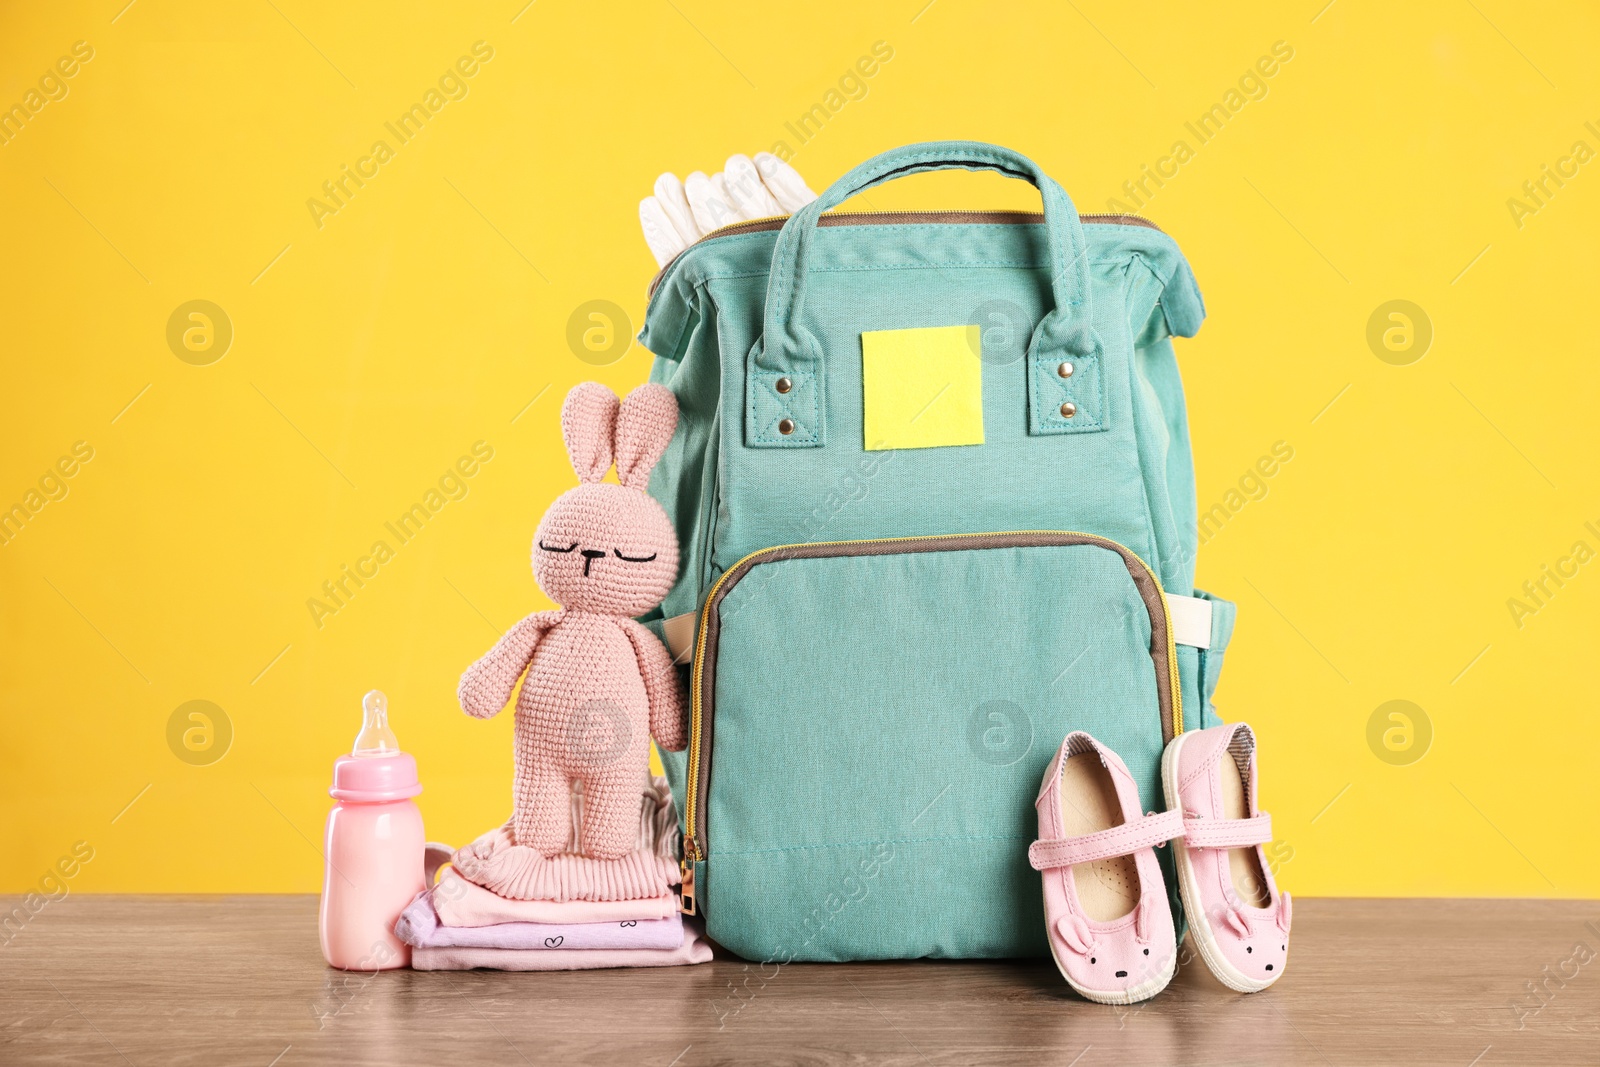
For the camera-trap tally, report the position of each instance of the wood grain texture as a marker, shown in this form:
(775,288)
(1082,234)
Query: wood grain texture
(239,980)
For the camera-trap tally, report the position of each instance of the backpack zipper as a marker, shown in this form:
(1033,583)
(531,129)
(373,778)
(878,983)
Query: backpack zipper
(697,785)
(892,218)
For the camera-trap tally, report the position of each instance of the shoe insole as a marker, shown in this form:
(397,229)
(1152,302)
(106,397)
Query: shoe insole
(1244,864)
(1107,889)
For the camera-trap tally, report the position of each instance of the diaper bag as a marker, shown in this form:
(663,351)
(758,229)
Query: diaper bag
(935,502)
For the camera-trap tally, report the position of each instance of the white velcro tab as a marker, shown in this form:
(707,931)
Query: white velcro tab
(1191,620)
(679,632)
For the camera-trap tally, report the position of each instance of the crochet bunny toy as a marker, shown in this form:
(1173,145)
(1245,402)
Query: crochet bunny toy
(598,683)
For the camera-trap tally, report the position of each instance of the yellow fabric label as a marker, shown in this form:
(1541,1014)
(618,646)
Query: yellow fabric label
(922,388)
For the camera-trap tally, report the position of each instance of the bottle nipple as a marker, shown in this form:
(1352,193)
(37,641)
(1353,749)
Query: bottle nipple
(375,738)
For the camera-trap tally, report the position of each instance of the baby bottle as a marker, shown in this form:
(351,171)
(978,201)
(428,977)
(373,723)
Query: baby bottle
(373,848)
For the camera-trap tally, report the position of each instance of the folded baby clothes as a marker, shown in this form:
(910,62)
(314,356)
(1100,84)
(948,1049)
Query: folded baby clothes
(509,907)
(459,958)
(496,862)
(419,926)
(459,903)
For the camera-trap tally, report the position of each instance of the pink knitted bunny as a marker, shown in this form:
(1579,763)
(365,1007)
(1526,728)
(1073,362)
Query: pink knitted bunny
(599,683)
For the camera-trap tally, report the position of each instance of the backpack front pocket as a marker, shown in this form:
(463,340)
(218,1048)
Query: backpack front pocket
(870,721)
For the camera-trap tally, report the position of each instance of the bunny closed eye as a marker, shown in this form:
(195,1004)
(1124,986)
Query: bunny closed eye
(615,551)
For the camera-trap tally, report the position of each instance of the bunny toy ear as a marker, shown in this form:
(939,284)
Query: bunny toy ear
(588,424)
(645,425)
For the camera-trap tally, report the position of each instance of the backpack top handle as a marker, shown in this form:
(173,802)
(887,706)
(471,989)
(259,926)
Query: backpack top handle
(786,350)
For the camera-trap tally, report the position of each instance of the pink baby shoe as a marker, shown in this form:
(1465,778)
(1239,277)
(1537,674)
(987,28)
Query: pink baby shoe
(1105,905)
(1239,918)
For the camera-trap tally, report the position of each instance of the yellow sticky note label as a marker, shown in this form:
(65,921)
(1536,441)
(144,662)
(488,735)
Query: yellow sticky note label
(922,388)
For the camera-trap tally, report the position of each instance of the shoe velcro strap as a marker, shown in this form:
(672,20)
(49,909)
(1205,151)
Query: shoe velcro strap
(1121,840)
(1227,833)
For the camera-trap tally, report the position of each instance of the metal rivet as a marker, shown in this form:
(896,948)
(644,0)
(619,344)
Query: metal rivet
(1068,410)
(1065,370)
(784,385)
(786,426)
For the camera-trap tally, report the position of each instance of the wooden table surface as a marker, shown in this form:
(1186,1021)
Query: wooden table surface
(239,980)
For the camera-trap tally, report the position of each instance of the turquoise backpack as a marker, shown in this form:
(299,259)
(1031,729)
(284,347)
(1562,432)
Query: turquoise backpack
(893,625)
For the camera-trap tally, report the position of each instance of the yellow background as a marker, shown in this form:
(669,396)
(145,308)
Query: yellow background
(432,309)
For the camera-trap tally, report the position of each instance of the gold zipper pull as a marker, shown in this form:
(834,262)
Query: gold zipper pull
(686,902)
